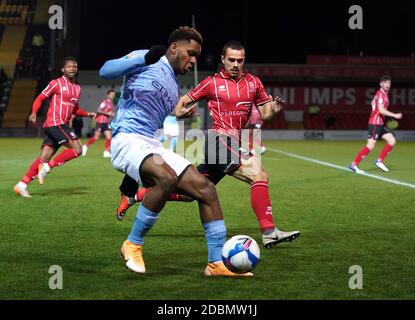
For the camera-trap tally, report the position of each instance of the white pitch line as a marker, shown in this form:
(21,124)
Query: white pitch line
(327,164)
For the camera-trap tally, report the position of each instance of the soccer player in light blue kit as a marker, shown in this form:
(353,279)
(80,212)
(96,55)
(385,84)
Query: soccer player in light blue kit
(149,94)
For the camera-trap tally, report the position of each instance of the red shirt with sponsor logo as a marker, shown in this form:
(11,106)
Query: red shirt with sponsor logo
(105,106)
(230,101)
(381,97)
(64,96)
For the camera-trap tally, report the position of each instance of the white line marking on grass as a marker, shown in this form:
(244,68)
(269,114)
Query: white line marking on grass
(327,164)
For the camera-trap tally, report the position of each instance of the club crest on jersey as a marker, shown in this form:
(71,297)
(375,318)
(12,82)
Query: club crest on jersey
(64,88)
(251,87)
(221,88)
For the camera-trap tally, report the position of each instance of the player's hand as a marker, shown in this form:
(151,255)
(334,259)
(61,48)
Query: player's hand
(32,117)
(398,116)
(92,115)
(280,101)
(277,104)
(184,111)
(154,54)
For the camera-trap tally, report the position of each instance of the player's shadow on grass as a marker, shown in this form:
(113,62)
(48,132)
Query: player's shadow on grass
(63,191)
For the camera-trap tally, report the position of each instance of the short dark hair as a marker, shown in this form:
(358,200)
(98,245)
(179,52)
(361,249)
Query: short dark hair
(385,77)
(185,34)
(235,45)
(111,90)
(65,60)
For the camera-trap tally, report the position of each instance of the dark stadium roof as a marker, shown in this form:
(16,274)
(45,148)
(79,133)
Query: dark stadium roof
(273,31)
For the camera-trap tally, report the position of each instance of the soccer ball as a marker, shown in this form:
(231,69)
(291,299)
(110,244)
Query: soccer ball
(240,254)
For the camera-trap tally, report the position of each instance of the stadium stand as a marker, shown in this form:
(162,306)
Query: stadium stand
(14,11)
(5,87)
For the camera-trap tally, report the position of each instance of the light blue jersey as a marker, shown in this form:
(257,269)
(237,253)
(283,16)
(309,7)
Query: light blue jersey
(148,94)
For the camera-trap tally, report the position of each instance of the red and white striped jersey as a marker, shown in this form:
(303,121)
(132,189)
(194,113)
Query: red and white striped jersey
(381,97)
(64,101)
(230,101)
(105,106)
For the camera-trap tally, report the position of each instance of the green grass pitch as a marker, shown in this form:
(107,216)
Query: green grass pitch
(345,220)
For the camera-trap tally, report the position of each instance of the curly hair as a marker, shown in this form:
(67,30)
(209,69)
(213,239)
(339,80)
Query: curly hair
(185,33)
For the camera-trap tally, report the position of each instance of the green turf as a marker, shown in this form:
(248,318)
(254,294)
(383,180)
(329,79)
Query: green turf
(345,220)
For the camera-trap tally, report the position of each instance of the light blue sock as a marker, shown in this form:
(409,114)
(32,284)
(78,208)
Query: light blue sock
(144,221)
(215,233)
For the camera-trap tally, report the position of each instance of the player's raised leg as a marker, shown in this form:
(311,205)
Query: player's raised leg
(90,142)
(21,187)
(74,151)
(107,151)
(131,194)
(251,172)
(363,153)
(390,144)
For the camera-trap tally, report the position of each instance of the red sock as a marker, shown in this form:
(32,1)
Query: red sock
(385,151)
(91,141)
(32,172)
(142,191)
(262,205)
(63,157)
(140,194)
(107,144)
(361,155)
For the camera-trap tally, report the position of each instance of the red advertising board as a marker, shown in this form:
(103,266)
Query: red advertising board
(341,97)
(365,60)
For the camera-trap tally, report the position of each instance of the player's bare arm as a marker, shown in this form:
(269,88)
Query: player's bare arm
(108,114)
(270,109)
(387,113)
(183,108)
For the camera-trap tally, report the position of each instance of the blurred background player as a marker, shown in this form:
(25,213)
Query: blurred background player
(137,152)
(105,112)
(64,94)
(377,127)
(255,122)
(231,95)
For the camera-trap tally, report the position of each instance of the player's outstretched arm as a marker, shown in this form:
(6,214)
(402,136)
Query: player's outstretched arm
(387,113)
(269,110)
(119,67)
(184,110)
(108,114)
(78,111)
